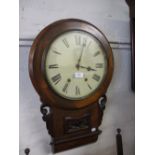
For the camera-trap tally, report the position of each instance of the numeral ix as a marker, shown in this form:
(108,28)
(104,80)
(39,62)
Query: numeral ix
(53,66)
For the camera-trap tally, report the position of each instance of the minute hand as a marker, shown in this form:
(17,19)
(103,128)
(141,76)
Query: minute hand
(79,60)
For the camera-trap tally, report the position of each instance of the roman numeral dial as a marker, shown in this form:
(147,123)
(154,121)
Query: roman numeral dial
(75,65)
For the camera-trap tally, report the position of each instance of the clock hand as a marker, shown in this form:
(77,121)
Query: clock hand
(79,60)
(88,68)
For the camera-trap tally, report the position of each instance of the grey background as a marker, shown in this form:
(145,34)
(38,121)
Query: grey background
(111,16)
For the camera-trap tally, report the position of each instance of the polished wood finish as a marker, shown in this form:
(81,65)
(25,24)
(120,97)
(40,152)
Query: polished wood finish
(70,123)
(37,58)
(62,140)
(78,141)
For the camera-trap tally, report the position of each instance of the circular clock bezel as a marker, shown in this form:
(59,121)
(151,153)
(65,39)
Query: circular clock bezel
(44,69)
(37,58)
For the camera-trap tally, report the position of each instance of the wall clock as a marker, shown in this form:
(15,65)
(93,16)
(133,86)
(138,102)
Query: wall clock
(71,66)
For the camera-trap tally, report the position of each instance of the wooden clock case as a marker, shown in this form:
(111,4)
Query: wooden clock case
(70,123)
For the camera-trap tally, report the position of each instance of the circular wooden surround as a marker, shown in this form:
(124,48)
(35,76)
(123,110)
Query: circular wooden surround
(37,57)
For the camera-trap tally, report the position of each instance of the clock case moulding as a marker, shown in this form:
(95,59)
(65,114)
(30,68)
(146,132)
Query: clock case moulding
(70,123)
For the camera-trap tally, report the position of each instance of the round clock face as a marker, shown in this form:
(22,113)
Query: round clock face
(75,65)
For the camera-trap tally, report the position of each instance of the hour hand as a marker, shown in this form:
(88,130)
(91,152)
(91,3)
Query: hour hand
(88,68)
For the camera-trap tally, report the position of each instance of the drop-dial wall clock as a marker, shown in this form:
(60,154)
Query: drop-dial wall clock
(71,66)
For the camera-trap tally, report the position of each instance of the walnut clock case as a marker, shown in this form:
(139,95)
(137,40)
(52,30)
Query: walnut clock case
(71,66)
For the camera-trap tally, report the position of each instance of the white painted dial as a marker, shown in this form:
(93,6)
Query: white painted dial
(75,65)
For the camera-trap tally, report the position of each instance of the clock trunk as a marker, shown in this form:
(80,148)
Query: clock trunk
(72,128)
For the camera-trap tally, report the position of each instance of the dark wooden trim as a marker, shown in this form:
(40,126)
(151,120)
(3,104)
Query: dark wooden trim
(68,121)
(36,60)
(62,145)
(61,115)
